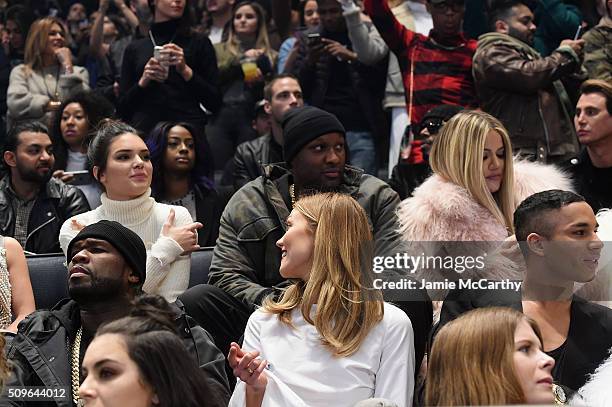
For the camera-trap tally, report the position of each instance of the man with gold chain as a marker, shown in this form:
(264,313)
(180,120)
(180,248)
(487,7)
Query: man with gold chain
(106,271)
(246,260)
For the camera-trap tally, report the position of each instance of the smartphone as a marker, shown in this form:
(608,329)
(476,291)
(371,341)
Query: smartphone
(578,33)
(313,39)
(79,177)
(157,52)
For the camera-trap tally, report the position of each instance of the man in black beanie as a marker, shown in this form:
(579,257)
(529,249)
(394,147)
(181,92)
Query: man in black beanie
(106,271)
(246,260)
(319,165)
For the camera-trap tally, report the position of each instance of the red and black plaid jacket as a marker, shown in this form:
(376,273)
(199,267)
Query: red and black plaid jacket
(442,73)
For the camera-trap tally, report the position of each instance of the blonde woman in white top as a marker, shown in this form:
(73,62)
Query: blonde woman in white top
(330,340)
(121,164)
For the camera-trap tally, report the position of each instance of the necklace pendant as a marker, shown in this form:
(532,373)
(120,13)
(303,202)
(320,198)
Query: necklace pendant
(80,402)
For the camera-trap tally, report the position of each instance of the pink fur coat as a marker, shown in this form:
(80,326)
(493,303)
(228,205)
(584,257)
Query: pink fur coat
(443,211)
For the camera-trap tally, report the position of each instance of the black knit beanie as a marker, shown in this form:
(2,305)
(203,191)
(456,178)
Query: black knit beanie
(123,239)
(304,124)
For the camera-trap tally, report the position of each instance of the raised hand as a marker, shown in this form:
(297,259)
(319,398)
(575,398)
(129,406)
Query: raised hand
(247,367)
(175,56)
(64,57)
(576,45)
(186,236)
(153,71)
(338,50)
(254,53)
(76,225)
(103,5)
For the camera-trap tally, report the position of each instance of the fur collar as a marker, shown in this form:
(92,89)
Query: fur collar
(596,392)
(443,211)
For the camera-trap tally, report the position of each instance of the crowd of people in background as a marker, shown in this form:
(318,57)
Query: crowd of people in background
(300,141)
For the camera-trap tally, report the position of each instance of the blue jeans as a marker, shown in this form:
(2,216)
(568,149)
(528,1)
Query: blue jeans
(362,150)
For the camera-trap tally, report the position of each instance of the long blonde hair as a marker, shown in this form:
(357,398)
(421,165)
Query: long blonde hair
(472,360)
(262,40)
(36,41)
(457,156)
(340,278)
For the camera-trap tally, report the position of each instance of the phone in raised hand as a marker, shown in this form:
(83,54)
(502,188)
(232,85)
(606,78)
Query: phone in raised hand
(578,33)
(161,58)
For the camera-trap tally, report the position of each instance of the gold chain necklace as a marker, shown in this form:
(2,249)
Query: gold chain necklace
(76,351)
(55,96)
(292,193)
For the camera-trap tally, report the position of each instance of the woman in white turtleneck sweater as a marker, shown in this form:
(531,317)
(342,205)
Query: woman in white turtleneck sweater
(121,164)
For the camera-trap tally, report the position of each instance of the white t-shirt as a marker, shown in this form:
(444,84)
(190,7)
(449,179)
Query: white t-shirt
(304,373)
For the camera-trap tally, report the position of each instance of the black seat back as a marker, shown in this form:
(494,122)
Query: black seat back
(200,263)
(49,278)
(49,275)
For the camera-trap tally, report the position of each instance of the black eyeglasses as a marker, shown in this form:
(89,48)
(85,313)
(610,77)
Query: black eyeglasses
(456,6)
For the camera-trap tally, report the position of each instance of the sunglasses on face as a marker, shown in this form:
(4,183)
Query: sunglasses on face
(448,5)
(434,125)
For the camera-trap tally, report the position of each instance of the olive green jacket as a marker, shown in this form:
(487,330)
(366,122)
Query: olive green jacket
(246,259)
(598,52)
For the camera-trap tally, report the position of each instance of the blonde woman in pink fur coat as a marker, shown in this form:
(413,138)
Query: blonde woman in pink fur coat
(475,186)
(466,207)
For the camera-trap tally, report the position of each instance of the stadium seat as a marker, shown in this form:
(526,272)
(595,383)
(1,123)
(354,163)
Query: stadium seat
(49,275)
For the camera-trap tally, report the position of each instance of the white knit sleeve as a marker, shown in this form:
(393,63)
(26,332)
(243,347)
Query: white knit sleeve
(167,269)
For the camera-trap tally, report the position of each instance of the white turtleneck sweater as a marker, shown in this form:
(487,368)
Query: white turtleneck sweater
(167,270)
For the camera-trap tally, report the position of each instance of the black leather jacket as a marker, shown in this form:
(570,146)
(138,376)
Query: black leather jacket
(40,357)
(55,203)
(251,156)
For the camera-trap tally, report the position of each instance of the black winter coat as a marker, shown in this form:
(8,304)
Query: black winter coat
(40,352)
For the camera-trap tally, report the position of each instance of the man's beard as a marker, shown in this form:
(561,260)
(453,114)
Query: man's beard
(310,189)
(527,38)
(99,289)
(34,176)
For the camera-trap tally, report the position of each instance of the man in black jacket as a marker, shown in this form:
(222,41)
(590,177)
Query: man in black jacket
(246,260)
(592,169)
(33,206)
(106,271)
(556,231)
(281,94)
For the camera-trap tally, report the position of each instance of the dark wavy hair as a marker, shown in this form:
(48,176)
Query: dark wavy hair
(157,142)
(186,22)
(95,107)
(164,363)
